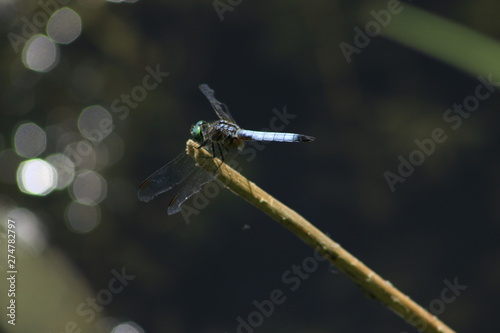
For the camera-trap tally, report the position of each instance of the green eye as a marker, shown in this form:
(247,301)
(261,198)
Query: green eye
(196,130)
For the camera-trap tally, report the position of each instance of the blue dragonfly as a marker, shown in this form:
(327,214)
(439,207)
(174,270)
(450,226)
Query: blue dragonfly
(182,178)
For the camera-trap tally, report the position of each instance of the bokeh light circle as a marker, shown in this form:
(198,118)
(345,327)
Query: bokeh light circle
(65,169)
(29,229)
(36,177)
(95,123)
(64,26)
(82,218)
(40,54)
(127,327)
(30,140)
(89,188)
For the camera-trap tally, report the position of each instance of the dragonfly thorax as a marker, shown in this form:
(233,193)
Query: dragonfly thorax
(222,130)
(217,131)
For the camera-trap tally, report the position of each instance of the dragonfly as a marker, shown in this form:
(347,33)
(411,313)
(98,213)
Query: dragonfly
(182,178)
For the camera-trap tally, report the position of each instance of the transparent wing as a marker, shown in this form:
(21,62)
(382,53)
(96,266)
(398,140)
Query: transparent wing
(191,186)
(219,108)
(165,178)
(195,181)
(181,176)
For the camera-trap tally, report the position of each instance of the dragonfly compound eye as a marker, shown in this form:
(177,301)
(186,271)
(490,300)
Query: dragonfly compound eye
(196,130)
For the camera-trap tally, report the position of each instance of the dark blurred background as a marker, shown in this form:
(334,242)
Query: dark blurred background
(84,121)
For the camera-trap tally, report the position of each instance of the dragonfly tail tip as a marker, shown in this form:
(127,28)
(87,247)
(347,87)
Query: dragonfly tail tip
(306,138)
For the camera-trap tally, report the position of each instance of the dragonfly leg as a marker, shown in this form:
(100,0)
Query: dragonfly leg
(213,149)
(214,145)
(202,144)
(221,151)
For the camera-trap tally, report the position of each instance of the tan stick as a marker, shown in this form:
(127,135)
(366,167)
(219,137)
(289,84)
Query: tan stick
(371,283)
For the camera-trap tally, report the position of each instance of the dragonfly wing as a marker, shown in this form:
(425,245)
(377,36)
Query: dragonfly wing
(190,187)
(219,108)
(166,177)
(197,179)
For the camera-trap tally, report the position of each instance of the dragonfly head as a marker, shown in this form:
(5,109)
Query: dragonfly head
(197,130)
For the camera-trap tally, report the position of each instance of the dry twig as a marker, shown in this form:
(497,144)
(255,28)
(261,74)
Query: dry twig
(369,281)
